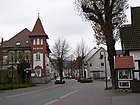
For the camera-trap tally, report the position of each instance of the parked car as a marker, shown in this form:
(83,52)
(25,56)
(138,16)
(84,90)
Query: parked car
(58,78)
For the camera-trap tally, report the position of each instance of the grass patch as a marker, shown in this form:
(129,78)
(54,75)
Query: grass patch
(15,86)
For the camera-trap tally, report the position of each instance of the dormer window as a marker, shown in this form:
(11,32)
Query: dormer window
(18,43)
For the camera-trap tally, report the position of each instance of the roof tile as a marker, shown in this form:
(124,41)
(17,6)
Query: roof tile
(22,37)
(124,62)
(130,34)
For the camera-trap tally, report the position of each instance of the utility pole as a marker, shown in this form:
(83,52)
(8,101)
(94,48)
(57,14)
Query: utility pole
(101,57)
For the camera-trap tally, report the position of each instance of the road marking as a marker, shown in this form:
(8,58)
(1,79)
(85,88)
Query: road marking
(55,100)
(51,102)
(67,94)
(16,95)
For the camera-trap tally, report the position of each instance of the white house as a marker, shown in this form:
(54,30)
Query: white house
(96,64)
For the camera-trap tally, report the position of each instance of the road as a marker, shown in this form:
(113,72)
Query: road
(39,97)
(70,93)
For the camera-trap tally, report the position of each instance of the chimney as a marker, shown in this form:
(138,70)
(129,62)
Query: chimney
(1,41)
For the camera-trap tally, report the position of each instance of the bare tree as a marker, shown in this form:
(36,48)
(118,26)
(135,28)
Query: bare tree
(80,53)
(1,58)
(81,49)
(106,17)
(60,53)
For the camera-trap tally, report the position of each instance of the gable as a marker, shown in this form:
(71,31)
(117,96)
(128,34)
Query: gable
(94,52)
(21,39)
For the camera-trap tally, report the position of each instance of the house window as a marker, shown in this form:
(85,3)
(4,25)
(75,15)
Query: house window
(34,41)
(102,64)
(124,74)
(18,43)
(27,56)
(41,42)
(38,56)
(124,84)
(38,41)
(90,64)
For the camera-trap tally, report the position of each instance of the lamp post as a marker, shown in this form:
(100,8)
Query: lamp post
(12,61)
(26,72)
(101,57)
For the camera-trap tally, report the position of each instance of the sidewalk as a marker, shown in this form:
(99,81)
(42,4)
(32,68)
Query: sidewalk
(126,99)
(120,97)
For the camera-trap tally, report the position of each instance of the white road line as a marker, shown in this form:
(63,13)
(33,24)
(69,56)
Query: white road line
(53,101)
(67,94)
(16,95)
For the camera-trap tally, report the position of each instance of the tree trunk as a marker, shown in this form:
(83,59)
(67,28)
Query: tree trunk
(60,70)
(111,51)
(61,74)
(111,54)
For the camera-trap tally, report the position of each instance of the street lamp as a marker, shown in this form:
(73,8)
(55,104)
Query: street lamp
(26,72)
(101,57)
(12,61)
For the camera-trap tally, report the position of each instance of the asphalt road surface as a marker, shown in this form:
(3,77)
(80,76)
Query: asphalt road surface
(70,93)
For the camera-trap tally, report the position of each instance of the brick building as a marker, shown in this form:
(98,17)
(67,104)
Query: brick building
(30,46)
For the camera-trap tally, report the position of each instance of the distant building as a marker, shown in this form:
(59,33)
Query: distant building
(78,66)
(130,39)
(33,47)
(95,66)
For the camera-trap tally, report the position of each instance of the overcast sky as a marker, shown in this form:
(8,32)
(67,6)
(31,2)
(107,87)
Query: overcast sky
(58,17)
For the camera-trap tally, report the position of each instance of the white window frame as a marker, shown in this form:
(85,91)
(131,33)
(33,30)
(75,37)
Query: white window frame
(34,41)
(18,43)
(38,56)
(121,82)
(41,41)
(38,41)
(129,74)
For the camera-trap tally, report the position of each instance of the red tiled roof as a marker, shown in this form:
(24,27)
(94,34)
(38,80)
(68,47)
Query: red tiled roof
(22,37)
(124,62)
(38,29)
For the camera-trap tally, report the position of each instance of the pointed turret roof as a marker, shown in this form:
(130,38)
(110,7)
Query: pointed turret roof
(38,29)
